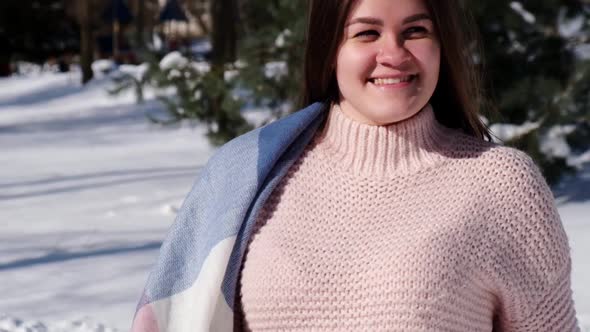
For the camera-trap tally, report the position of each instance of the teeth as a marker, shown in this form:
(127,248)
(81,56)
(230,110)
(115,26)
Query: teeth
(383,81)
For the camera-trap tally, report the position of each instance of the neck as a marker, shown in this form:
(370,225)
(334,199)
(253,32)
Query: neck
(384,151)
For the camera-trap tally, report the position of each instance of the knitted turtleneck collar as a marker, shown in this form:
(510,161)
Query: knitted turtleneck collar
(384,151)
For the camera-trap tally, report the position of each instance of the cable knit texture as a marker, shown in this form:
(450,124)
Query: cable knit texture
(408,227)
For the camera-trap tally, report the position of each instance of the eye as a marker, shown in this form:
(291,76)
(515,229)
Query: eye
(415,32)
(367,34)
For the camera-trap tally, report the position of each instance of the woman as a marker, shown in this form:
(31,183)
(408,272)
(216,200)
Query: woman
(379,207)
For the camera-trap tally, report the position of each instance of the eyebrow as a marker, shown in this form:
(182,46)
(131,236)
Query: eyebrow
(417,17)
(376,21)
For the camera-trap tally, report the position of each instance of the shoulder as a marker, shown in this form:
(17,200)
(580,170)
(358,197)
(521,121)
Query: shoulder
(505,180)
(508,167)
(510,180)
(492,163)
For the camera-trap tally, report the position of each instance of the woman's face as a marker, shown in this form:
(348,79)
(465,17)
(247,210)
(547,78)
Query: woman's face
(388,62)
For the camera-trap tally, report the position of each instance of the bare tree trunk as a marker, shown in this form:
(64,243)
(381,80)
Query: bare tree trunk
(224,16)
(86,41)
(5,69)
(140,25)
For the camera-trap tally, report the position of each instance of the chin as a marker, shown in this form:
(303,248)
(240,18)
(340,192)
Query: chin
(392,114)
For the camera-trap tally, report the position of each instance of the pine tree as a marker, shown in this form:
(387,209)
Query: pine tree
(274,32)
(202,92)
(536,76)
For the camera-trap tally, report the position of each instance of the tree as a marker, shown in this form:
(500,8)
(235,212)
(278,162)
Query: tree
(86,40)
(202,92)
(140,25)
(537,77)
(224,19)
(24,34)
(272,47)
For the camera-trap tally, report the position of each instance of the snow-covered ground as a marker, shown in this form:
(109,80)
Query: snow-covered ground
(88,188)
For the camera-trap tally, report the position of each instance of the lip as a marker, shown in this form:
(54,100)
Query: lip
(393,76)
(413,78)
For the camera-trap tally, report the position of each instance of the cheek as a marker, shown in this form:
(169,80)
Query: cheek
(355,61)
(428,56)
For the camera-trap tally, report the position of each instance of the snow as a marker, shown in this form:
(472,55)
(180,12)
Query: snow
(525,14)
(87,192)
(103,66)
(583,52)
(276,70)
(573,28)
(17,325)
(173,60)
(554,143)
(579,160)
(28,68)
(138,72)
(280,41)
(569,27)
(504,132)
(89,188)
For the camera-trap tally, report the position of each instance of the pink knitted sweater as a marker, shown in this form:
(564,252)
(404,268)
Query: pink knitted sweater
(408,227)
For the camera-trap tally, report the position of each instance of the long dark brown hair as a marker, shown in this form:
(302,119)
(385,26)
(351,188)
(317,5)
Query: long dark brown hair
(457,100)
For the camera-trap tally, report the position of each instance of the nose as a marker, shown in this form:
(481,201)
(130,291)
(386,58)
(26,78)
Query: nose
(392,52)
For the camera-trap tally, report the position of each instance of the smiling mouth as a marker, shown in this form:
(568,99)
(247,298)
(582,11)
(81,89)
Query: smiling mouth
(391,81)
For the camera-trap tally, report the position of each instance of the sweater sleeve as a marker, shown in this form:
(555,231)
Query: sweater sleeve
(530,266)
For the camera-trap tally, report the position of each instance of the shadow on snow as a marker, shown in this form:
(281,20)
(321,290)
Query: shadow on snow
(55,90)
(59,257)
(96,117)
(60,184)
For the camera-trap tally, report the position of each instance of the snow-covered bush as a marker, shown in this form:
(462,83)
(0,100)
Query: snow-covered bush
(190,90)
